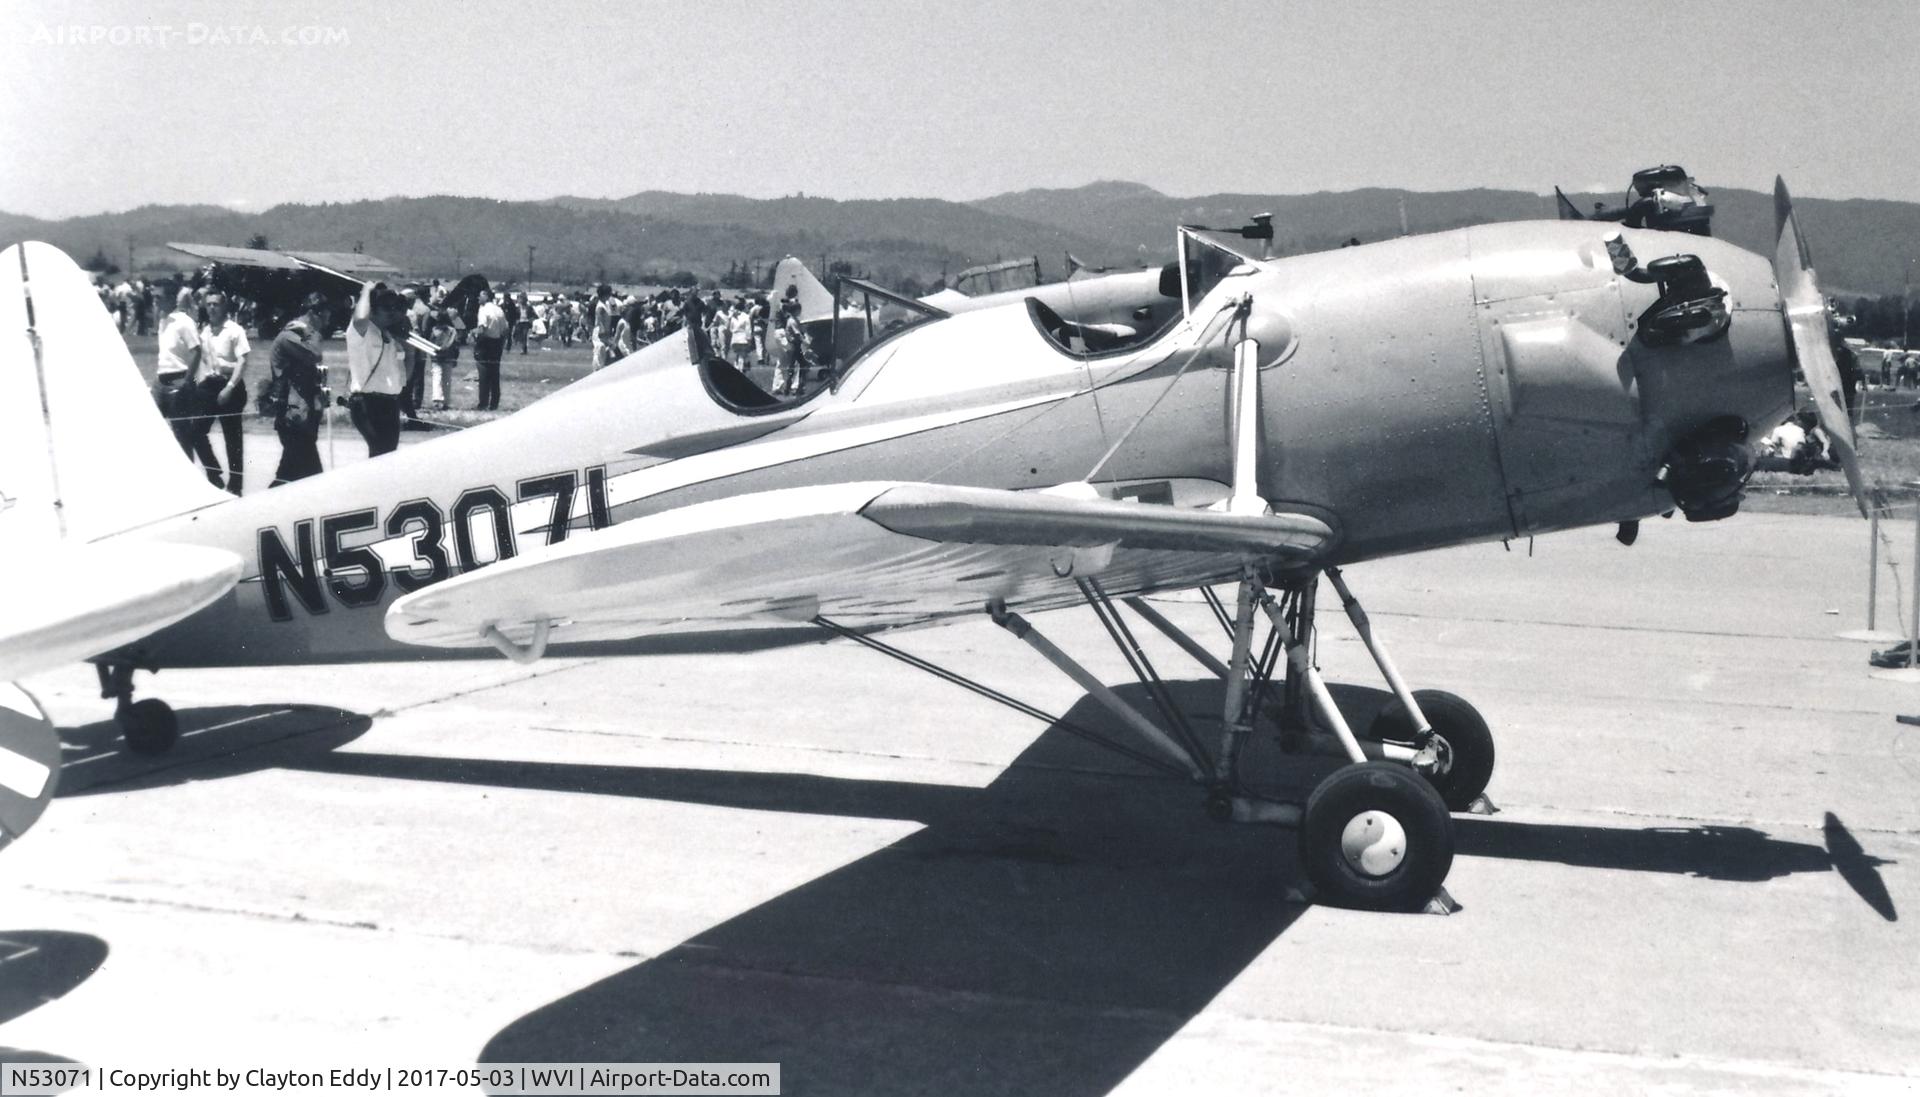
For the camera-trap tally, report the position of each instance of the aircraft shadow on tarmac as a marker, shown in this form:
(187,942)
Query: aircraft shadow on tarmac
(220,741)
(1046,933)
(38,966)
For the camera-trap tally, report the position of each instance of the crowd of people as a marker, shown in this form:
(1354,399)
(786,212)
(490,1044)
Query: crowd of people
(139,306)
(747,330)
(402,349)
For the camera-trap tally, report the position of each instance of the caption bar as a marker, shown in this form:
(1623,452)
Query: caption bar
(506,1079)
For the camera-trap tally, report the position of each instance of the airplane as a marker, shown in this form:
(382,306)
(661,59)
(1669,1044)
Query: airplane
(1299,417)
(1664,197)
(278,280)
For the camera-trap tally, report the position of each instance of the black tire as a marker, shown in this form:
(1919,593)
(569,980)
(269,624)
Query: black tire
(1466,747)
(149,727)
(1424,847)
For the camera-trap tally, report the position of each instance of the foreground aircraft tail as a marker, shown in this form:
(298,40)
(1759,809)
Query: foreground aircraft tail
(83,450)
(84,453)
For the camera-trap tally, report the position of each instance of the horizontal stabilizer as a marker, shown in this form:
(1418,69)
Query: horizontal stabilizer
(872,554)
(73,602)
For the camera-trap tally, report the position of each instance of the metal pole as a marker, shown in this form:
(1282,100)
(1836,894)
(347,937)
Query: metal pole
(1913,621)
(1873,565)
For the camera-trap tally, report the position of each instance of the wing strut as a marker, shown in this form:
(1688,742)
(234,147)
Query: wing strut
(1077,730)
(1098,690)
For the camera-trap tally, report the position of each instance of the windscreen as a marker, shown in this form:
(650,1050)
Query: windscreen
(1206,259)
(865,314)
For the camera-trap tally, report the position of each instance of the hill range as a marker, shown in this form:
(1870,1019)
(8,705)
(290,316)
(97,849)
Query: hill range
(1860,245)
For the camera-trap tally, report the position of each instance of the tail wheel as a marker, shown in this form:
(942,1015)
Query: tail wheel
(1375,836)
(1464,743)
(149,726)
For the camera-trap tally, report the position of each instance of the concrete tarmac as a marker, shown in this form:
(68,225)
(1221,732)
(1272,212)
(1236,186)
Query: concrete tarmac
(1704,876)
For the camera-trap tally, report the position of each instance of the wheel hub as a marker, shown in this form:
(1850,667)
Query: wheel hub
(1374,843)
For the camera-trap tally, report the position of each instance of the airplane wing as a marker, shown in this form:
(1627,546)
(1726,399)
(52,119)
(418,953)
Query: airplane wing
(868,554)
(351,265)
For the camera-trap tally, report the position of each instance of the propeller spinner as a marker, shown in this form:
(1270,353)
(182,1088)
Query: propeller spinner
(1806,312)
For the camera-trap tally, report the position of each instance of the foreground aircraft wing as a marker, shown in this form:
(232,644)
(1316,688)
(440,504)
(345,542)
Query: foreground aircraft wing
(866,555)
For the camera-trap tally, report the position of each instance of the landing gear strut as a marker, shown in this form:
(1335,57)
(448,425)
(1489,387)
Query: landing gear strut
(1376,834)
(149,727)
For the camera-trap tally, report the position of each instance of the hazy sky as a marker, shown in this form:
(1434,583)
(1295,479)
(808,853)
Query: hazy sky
(106,106)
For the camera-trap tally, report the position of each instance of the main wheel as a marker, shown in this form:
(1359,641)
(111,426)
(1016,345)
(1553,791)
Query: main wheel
(1376,837)
(149,726)
(1462,739)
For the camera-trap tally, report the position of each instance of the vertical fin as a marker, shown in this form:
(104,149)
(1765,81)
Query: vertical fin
(84,452)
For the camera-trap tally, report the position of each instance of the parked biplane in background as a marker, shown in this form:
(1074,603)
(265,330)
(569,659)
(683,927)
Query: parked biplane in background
(1544,376)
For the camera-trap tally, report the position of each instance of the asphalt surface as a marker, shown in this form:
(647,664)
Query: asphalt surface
(1705,875)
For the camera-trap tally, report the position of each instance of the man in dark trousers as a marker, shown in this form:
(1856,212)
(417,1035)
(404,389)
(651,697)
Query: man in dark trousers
(223,387)
(489,341)
(693,320)
(296,396)
(376,367)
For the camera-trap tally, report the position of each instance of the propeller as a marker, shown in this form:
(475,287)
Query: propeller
(1806,312)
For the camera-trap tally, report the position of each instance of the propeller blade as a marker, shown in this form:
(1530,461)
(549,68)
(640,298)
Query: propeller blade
(1806,312)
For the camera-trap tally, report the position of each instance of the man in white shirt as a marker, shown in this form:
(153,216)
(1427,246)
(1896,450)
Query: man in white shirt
(223,388)
(180,337)
(489,341)
(174,390)
(376,367)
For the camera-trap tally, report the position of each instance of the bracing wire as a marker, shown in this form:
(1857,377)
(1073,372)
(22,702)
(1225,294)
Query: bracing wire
(1086,360)
(1193,354)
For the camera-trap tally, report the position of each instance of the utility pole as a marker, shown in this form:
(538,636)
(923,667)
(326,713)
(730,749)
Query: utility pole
(130,256)
(1906,309)
(529,267)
